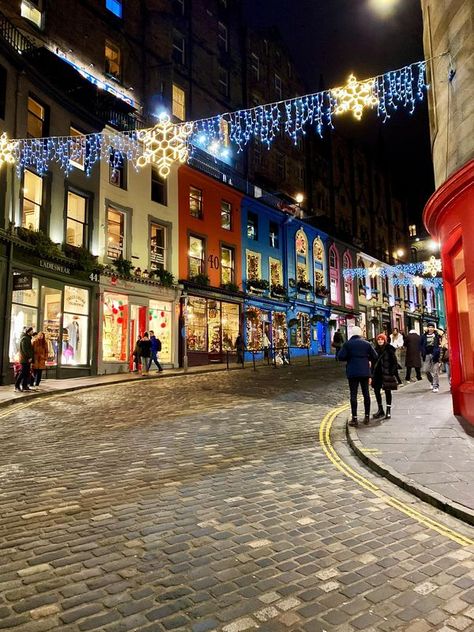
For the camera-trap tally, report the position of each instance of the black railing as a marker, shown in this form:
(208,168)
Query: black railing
(14,37)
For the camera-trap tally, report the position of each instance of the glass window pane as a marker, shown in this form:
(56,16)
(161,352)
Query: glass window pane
(77,148)
(179,103)
(196,255)
(27,297)
(115,233)
(115,327)
(214,326)
(157,247)
(197,324)
(74,343)
(51,322)
(160,321)
(76,219)
(230,325)
(22,317)
(76,300)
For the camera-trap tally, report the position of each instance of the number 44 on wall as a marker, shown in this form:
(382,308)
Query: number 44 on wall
(94,277)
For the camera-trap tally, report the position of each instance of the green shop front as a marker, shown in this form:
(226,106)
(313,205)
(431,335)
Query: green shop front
(54,297)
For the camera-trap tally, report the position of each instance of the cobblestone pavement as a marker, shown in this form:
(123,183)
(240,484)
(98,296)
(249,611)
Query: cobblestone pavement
(207,504)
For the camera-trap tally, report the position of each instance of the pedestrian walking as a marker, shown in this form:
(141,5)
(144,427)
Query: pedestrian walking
(136,356)
(413,354)
(359,354)
(240,348)
(25,358)
(266,345)
(40,355)
(337,342)
(145,352)
(384,376)
(445,354)
(155,349)
(397,342)
(430,353)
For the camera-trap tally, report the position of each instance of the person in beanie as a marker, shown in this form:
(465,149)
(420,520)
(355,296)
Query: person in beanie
(359,354)
(26,358)
(413,354)
(384,375)
(430,352)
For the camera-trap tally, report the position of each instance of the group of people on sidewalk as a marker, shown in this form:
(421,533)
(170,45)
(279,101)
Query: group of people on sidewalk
(378,366)
(146,352)
(33,354)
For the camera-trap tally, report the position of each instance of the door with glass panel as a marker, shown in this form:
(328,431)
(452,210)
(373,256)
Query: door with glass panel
(50,324)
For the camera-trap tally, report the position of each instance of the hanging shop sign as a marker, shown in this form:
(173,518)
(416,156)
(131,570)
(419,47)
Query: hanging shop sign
(22,281)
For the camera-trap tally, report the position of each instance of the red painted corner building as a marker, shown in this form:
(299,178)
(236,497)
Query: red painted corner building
(210,267)
(449,217)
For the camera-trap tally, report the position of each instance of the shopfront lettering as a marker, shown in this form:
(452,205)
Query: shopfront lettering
(54,267)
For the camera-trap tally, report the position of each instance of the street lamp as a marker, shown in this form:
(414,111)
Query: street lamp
(299,197)
(383,7)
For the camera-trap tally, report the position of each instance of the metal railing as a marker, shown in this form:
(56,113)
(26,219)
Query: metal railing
(14,37)
(272,356)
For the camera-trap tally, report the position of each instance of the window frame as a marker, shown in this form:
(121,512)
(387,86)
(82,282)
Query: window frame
(111,45)
(40,205)
(253,216)
(44,121)
(86,230)
(27,6)
(122,170)
(231,249)
(167,227)
(255,66)
(222,37)
(200,199)
(202,239)
(227,213)
(334,274)
(127,212)
(178,109)
(224,86)
(178,54)
(161,182)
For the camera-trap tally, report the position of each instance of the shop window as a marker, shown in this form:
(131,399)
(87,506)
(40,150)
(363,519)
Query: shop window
(226,215)
(254,267)
(160,320)
(159,189)
(51,305)
(157,246)
(76,220)
(252,226)
(36,119)
(24,314)
(303,330)
(334,274)
(223,82)
(196,256)
(255,320)
(115,233)
(227,265)
(301,248)
(274,235)
(115,327)
(195,202)
(32,10)
(75,326)
(278,87)
(118,170)
(255,66)
(3,91)
(230,325)
(348,283)
(179,103)
(31,201)
(113,60)
(77,148)
(197,324)
(279,330)
(115,7)
(276,272)
(222,37)
(179,50)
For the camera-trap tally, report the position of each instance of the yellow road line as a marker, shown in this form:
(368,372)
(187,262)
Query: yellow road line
(328,448)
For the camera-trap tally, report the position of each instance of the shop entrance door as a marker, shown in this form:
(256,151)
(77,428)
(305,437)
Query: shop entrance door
(51,325)
(138,325)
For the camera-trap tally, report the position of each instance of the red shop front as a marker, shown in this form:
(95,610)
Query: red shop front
(449,217)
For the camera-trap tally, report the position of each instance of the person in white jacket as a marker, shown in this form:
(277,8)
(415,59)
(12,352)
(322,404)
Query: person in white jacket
(397,341)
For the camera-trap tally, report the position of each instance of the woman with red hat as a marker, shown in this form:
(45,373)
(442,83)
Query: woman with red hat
(384,373)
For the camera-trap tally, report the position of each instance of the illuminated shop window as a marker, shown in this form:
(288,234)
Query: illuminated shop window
(115,327)
(24,314)
(75,326)
(160,320)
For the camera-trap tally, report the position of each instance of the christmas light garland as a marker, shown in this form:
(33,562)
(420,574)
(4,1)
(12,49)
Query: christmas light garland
(167,142)
(402,274)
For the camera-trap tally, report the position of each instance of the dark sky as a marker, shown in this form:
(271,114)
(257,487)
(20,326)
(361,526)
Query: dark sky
(332,38)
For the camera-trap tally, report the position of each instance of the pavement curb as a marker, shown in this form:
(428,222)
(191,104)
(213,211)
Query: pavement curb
(408,484)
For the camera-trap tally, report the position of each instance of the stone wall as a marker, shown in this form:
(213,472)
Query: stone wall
(449,27)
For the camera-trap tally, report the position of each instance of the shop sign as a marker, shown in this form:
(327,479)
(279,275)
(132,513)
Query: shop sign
(54,267)
(22,281)
(76,300)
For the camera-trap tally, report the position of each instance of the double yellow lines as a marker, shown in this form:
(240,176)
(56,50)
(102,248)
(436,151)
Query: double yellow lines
(328,448)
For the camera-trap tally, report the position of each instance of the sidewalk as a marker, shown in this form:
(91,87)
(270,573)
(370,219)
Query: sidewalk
(424,448)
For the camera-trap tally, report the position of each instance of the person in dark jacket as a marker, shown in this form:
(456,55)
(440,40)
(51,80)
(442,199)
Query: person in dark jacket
(413,354)
(358,353)
(430,352)
(145,352)
(26,358)
(337,342)
(384,371)
(155,348)
(136,356)
(240,348)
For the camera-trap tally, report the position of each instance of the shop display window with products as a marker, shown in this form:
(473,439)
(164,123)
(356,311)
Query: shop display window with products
(115,327)
(160,321)
(24,314)
(75,326)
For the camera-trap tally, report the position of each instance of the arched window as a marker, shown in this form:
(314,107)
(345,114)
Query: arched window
(348,283)
(431,299)
(301,249)
(362,279)
(334,275)
(319,265)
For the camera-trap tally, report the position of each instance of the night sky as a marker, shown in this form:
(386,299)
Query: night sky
(329,39)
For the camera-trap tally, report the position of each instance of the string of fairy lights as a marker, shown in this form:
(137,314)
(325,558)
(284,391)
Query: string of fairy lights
(419,274)
(168,142)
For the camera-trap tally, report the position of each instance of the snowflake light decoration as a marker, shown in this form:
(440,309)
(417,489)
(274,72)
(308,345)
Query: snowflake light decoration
(354,97)
(164,144)
(432,266)
(7,150)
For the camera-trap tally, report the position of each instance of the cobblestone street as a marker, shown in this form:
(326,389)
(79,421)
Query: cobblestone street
(206,503)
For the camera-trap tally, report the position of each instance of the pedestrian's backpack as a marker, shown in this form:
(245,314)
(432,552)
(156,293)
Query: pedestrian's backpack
(158,344)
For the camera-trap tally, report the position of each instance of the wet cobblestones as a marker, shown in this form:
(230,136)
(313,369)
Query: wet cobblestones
(206,504)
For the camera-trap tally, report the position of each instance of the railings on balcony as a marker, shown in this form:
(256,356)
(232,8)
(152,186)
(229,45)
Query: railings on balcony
(14,37)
